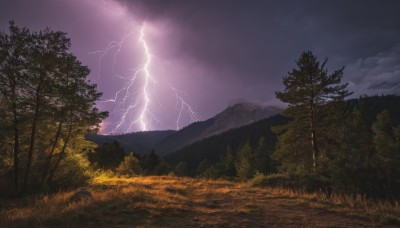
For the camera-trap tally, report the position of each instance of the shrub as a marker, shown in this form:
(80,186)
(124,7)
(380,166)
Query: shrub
(74,171)
(129,166)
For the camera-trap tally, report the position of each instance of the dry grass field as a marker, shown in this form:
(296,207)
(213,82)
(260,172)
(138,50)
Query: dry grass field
(184,202)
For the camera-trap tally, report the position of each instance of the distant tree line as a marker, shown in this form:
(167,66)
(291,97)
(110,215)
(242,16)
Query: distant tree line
(111,156)
(46,106)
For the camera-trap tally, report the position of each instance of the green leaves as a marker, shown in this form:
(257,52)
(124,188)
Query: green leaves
(45,96)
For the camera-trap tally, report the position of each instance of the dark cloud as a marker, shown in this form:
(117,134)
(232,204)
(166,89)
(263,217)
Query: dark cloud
(255,40)
(219,51)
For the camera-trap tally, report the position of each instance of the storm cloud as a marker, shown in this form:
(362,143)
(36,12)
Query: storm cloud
(220,51)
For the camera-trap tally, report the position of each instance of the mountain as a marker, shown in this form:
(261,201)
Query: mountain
(239,115)
(234,116)
(211,148)
(164,142)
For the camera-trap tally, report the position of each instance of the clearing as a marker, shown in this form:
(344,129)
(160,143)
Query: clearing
(177,202)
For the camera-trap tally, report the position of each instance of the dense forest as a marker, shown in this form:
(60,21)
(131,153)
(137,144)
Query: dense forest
(323,141)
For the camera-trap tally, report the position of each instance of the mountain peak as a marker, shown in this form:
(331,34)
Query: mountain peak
(245,106)
(238,115)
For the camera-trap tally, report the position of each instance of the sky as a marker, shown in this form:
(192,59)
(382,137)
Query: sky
(162,64)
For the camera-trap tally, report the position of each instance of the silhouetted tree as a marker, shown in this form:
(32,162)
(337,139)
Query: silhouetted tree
(107,156)
(307,89)
(202,167)
(150,162)
(181,169)
(162,168)
(261,160)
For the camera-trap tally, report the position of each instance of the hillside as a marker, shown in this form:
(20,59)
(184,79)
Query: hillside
(211,148)
(164,142)
(240,114)
(185,202)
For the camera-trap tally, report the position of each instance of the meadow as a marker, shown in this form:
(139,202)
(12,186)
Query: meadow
(166,201)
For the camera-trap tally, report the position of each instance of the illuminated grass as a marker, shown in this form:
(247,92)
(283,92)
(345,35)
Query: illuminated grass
(185,202)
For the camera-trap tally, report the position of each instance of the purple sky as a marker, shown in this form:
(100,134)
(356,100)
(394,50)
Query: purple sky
(214,53)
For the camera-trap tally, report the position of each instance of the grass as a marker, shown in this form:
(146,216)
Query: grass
(185,202)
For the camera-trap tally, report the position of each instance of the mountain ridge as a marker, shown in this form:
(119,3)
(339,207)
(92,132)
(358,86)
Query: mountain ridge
(164,142)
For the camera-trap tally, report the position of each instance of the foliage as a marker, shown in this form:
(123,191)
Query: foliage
(308,89)
(243,161)
(203,167)
(150,162)
(163,168)
(46,104)
(214,148)
(107,156)
(74,171)
(181,169)
(227,162)
(129,166)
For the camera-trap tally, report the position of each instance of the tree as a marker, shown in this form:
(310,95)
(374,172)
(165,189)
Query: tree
(227,161)
(243,161)
(387,157)
(308,88)
(129,166)
(107,156)
(181,169)
(150,162)
(46,98)
(162,168)
(261,160)
(203,166)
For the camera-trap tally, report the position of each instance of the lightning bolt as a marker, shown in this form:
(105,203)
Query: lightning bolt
(146,66)
(128,99)
(390,90)
(179,100)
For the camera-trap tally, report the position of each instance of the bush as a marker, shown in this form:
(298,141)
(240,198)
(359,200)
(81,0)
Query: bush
(257,180)
(74,171)
(129,166)
(181,169)
(306,182)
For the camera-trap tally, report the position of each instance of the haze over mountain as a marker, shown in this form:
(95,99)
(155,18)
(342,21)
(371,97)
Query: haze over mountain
(164,142)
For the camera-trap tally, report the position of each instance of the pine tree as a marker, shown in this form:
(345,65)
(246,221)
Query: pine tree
(150,162)
(227,162)
(308,88)
(387,157)
(243,161)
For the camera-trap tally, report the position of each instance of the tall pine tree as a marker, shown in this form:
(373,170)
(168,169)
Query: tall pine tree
(308,88)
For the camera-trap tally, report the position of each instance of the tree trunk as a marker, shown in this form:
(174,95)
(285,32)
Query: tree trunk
(315,151)
(52,171)
(16,148)
(48,160)
(33,136)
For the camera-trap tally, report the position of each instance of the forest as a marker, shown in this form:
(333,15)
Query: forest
(322,142)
